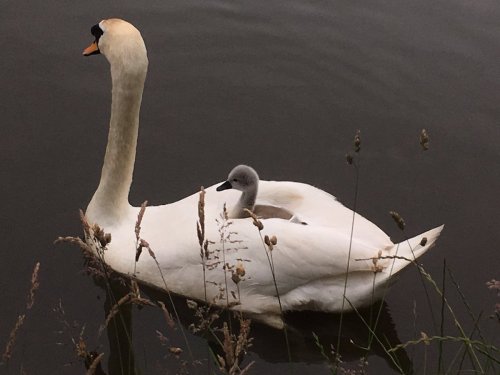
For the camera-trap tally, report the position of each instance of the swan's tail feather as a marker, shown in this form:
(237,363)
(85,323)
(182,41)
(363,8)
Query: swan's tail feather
(413,248)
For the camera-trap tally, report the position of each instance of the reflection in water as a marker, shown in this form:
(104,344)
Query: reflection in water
(268,343)
(119,330)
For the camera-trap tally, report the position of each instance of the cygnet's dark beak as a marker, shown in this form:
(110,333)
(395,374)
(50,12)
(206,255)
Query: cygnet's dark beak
(226,185)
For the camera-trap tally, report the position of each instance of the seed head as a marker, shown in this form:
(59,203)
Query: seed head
(357,141)
(256,220)
(424,140)
(398,219)
(236,278)
(270,242)
(240,270)
(174,350)
(274,240)
(258,224)
(425,338)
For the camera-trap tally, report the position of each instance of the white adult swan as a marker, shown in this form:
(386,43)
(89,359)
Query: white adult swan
(310,260)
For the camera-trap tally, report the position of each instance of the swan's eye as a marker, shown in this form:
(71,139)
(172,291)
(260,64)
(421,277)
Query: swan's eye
(235,180)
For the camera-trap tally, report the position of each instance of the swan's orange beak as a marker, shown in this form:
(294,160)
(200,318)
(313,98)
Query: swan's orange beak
(93,49)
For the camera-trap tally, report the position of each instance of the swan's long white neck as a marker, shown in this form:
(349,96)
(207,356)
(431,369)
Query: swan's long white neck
(110,201)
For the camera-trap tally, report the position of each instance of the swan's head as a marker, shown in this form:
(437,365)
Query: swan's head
(242,178)
(120,42)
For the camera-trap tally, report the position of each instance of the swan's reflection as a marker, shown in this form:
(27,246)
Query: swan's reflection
(268,343)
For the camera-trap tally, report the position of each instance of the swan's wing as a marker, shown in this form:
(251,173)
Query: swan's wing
(266,211)
(317,207)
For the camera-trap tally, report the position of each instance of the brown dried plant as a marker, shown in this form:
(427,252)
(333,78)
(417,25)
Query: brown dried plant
(200,231)
(133,297)
(35,284)
(424,140)
(89,358)
(12,338)
(93,246)
(93,364)
(398,220)
(234,349)
(495,285)
(357,141)
(139,244)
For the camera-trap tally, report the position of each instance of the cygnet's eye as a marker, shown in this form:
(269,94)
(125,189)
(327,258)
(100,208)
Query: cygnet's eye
(235,180)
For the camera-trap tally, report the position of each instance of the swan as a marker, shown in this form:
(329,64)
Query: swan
(310,261)
(245,179)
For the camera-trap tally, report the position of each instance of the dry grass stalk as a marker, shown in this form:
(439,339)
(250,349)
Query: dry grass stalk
(134,297)
(139,219)
(167,315)
(205,315)
(218,257)
(357,141)
(100,240)
(256,220)
(74,241)
(270,242)
(225,236)
(175,350)
(201,218)
(81,346)
(200,231)
(12,338)
(84,221)
(495,285)
(115,310)
(425,339)
(424,140)
(163,339)
(398,219)
(96,361)
(93,245)
(235,349)
(139,242)
(141,301)
(35,284)
(376,268)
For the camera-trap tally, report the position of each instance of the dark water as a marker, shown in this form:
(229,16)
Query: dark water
(281,86)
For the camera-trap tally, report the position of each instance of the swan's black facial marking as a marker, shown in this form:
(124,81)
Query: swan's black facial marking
(97,32)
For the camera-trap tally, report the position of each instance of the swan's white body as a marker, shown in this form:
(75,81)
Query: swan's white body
(310,260)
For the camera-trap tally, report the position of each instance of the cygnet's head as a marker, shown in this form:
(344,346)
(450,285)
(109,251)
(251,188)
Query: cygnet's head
(120,42)
(242,178)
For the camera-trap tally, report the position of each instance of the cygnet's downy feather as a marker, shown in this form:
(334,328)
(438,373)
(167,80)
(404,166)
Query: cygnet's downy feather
(245,179)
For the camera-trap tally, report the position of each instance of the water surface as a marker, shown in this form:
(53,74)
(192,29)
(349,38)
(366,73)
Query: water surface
(282,86)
